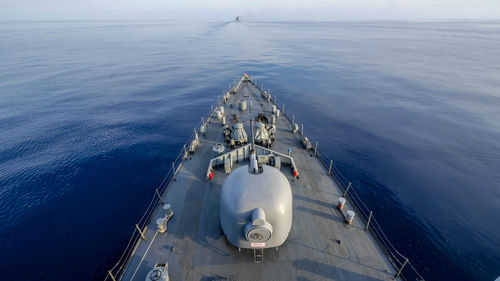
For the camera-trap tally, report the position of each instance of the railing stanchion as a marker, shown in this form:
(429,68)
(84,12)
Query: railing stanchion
(111,275)
(401,269)
(369,219)
(293,120)
(140,231)
(283,109)
(316,149)
(302,130)
(159,196)
(274,99)
(173,169)
(347,189)
(330,169)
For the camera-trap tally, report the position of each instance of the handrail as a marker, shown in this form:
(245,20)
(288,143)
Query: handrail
(397,259)
(116,272)
(245,151)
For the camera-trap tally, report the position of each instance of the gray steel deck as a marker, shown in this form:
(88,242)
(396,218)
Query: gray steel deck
(194,245)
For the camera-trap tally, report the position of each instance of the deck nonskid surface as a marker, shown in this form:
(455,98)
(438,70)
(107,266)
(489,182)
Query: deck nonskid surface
(196,249)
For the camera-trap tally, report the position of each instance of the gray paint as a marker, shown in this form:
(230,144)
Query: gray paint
(238,133)
(244,192)
(196,248)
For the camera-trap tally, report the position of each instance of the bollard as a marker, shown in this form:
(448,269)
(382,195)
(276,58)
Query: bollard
(369,219)
(341,203)
(349,217)
(330,169)
(161,225)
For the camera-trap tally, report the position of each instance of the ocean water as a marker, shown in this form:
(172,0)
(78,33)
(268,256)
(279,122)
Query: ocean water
(93,113)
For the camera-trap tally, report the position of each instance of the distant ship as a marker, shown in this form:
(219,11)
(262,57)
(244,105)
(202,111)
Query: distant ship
(231,196)
(237,18)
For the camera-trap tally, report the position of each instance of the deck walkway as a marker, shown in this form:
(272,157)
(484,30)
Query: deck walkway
(194,245)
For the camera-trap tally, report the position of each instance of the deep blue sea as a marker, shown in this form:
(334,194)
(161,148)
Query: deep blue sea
(93,113)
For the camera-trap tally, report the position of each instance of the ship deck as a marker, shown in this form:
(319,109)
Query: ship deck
(320,245)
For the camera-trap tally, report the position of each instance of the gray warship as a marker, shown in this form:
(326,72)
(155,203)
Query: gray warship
(251,197)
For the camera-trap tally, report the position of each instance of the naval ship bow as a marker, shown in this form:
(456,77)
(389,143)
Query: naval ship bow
(250,197)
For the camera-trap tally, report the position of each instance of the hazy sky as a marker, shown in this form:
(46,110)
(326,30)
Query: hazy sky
(250,9)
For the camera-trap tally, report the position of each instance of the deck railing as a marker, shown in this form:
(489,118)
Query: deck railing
(401,263)
(116,272)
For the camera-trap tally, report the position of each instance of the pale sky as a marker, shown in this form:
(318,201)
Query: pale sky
(250,9)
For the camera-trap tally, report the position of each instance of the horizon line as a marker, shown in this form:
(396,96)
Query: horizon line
(251,19)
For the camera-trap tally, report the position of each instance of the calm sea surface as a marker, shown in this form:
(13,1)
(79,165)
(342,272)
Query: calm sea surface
(93,113)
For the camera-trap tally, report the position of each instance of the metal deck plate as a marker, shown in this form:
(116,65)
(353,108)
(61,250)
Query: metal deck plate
(194,245)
